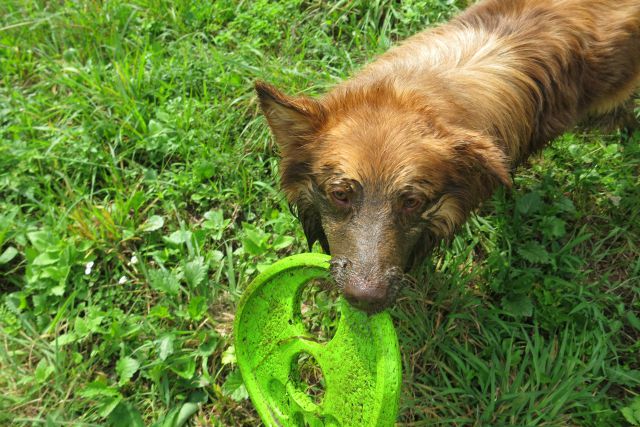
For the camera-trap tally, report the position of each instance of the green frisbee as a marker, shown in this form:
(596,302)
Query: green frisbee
(360,364)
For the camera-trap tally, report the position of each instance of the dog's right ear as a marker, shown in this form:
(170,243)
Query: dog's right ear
(312,225)
(293,120)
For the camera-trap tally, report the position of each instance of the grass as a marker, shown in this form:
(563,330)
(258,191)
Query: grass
(138,196)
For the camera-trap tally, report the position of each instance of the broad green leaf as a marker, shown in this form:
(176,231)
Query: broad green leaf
(65,339)
(535,253)
(41,240)
(553,227)
(184,366)
(47,258)
(634,322)
(88,324)
(216,256)
(170,419)
(215,223)
(186,412)
(623,376)
(262,266)
(229,355)
(234,387)
(197,307)
(43,371)
(58,290)
(529,203)
(126,368)
(156,128)
(632,417)
(208,347)
(6,224)
(518,305)
(254,241)
(165,346)
(58,273)
(98,388)
(160,311)
(180,414)
(155,222)
(565,205)
(8,254)
(179,237)
(205,169)
(214,219)
(164,281)
(125,415)
(195,271)
(612,150)
(282,242)
(106,407)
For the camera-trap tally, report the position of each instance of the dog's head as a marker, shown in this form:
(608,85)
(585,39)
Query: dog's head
(377,178)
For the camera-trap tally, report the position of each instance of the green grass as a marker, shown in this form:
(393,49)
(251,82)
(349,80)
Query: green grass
(130,138)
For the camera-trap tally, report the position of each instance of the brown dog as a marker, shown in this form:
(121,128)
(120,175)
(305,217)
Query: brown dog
(393,160)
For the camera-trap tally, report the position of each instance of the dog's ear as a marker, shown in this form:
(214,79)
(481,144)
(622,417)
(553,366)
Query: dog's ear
(487,156)
(312,226)
(293,120)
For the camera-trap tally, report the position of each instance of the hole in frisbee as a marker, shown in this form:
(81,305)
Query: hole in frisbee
(307,376)
(319,309)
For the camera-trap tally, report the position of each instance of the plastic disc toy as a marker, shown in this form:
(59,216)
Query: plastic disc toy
(360,364)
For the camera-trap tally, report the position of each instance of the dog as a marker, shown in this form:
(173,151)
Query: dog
(392,161)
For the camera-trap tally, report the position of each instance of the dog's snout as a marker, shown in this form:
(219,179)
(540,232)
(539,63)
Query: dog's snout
(340,270)
(367,287)
(367,295)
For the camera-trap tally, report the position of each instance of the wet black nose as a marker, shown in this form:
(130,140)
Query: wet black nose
(366,295)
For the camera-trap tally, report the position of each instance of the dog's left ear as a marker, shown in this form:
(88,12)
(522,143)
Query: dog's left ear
(293,120)
(488,156)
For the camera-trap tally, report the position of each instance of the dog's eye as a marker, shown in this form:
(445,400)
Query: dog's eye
(341,197)
(411,203)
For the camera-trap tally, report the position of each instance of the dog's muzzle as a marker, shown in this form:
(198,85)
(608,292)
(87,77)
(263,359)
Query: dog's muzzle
(371,289)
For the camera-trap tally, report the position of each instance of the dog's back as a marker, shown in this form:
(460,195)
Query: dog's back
(603,34)
(530,68)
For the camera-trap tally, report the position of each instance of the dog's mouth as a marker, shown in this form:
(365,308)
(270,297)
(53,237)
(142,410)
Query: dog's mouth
(379,296)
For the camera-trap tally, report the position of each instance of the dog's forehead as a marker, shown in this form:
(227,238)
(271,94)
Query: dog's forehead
(381,152)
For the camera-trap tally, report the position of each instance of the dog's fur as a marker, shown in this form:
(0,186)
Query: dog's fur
(393,160)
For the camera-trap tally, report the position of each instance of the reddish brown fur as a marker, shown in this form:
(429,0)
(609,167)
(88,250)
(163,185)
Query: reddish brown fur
(444,118)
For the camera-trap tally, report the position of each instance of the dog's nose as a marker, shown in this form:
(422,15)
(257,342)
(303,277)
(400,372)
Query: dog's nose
(366,295)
